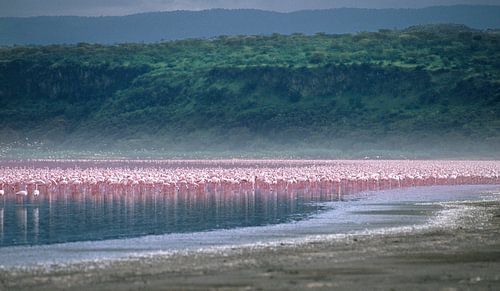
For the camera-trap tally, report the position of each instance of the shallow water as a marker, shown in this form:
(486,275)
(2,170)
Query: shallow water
(218,222)
(59,218)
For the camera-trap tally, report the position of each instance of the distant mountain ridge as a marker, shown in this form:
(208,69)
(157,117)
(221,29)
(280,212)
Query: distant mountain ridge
(158,26)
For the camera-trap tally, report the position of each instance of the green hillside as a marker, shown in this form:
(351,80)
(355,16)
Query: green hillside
(428,87)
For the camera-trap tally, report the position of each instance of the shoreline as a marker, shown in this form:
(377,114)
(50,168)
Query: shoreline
(461,256)
(367,213)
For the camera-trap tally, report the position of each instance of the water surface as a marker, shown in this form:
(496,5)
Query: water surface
(58,218)
(261,219)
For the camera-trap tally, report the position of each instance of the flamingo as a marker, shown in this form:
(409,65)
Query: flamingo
(2,191)
(22,192)
(248,175)
(36,192)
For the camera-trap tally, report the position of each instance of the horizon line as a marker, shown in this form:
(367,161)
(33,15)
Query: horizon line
(253,9)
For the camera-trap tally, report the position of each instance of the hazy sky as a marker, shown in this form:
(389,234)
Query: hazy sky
(121,7)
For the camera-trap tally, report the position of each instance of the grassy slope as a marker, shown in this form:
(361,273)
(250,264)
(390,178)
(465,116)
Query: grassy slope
(430,87)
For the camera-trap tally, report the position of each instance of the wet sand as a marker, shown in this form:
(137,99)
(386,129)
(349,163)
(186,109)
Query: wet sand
(463,256)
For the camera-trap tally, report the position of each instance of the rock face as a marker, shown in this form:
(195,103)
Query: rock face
(429,87)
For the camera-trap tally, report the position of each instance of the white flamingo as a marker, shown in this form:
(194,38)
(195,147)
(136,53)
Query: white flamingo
(36,192)
(22,192)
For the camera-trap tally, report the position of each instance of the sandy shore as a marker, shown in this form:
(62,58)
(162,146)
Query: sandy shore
(462,257)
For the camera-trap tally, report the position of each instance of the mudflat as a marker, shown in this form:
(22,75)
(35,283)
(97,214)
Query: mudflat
(462,256)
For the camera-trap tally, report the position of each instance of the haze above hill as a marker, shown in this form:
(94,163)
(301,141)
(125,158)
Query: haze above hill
(157,26)
(27,8)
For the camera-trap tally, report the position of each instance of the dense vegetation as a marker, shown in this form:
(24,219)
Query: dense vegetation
(174,25)
(427,87)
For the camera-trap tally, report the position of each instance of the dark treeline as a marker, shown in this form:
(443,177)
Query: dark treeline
(424,87)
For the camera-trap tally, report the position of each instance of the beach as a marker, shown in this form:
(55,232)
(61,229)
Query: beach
(463,255)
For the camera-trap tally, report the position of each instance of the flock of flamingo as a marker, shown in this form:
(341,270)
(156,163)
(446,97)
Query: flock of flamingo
(36,177)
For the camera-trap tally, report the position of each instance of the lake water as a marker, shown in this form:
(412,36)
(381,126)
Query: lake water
(59,218)
(68,228)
